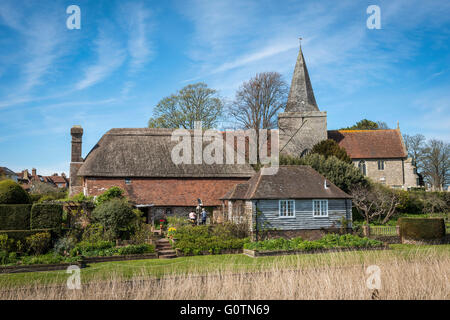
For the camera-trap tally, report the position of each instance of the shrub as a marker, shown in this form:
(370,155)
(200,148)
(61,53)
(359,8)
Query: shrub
(136,249)
(329,148)
(93,233)
(12,193)
(86,248)
(21,235)
(15,216)
(7,258)
(421,228)
(344,175)
(328,241)
(39,243)
(116,216)
(63,246)
(111,193)
(46,216)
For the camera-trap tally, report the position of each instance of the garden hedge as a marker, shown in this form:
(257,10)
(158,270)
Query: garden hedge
(421,228)
(23,234)
(12,193)
(46,216)
(15,216)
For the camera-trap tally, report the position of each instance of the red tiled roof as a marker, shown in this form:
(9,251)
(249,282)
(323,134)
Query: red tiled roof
(370,144)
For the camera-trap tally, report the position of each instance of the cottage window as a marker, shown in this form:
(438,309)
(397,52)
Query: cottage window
(380,164)
(286,208)
(320,208)
(128,181)
(362,167)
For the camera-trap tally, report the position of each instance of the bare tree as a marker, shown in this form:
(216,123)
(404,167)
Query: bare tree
(259,100)
(375,202)
(436,163)
(414,146)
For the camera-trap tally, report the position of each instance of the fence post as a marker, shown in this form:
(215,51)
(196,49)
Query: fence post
(366,230)
(397,227)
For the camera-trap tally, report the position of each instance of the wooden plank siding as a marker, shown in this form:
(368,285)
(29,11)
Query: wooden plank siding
(304,219)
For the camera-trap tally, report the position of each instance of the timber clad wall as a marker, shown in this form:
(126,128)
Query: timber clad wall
(337,208)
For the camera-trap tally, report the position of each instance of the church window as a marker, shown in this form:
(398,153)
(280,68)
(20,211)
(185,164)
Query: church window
(362,167)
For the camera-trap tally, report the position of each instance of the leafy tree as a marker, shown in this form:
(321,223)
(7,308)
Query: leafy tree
(195,102)
(344,175)
(12,193)
(329,148)
(364,125)
(116,216)
(111,193)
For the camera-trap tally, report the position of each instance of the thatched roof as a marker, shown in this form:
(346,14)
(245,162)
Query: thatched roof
(290,182)
(145,152)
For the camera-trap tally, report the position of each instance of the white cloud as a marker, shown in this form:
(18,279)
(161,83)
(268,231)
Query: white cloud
(110,56)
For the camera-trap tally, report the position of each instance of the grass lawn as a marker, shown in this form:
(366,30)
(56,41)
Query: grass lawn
(230,262)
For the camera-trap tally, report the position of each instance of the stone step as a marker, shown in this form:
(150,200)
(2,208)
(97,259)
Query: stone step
(164,247)
(169,251)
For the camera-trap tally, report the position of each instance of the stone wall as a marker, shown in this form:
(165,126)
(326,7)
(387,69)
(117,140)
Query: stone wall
(314,234)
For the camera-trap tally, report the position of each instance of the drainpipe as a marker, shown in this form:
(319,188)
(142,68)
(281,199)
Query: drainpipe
(256,219)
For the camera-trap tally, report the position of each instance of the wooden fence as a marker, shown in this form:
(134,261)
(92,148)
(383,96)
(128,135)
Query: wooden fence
(384,230)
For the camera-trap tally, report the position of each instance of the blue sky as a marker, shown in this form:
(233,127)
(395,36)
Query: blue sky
(130,54)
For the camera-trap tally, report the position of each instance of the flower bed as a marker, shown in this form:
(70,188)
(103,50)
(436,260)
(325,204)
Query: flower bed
(206,239)
(330,241)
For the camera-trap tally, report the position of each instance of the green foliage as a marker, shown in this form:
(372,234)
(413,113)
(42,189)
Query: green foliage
(21,235)
(328,241)
(195,102)
(116,216)
(94,232)
(136,249)
(111,193)
(15,216)
(363,125)
(39,243)
(421,228)
(5,243)
(176,221)
(46,216)
(7,257)
(198,239)
(12,193)
(107,248)
(80,197)
(330,148)
(343,175)
(64,245)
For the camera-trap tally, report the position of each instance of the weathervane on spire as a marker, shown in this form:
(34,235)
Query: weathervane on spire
(300,40)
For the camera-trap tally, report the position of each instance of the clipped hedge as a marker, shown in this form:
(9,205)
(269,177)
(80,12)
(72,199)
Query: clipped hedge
(46,216)
(421,228)
(12,193)
(22,234)
(15,216)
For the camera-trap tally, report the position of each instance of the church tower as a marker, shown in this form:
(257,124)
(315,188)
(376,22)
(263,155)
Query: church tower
(302,124)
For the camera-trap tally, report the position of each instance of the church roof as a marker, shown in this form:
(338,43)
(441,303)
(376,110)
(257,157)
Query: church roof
(146,152)
(301,96)
(370,144)
(290,182)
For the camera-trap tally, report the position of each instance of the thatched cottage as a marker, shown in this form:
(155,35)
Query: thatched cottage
(139,160)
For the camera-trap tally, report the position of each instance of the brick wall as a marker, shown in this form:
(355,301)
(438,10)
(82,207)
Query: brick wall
(166,192)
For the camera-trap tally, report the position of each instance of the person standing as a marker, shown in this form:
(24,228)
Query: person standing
(204,215)
(192,217)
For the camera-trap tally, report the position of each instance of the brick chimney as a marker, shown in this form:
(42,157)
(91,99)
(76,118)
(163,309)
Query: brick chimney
(76,183)
(26,174)
(33,171)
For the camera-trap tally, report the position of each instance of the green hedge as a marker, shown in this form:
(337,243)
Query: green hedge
(15,216)
(23,234)
(12,193)
(46,216)
(421,228)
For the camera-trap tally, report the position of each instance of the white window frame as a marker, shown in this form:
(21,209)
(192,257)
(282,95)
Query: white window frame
(321,202)
(280,215)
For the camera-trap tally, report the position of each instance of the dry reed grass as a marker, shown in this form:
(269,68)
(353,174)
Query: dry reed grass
(419,275)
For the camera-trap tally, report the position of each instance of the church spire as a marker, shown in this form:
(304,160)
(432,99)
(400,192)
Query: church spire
(301,95)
